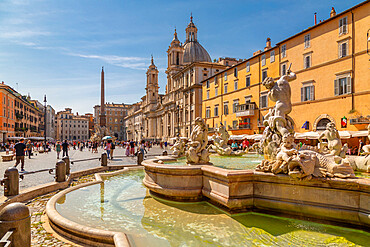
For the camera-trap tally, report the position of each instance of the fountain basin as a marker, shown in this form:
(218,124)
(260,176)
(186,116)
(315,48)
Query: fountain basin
(338,201)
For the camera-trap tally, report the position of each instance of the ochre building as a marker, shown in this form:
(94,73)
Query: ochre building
(331,62)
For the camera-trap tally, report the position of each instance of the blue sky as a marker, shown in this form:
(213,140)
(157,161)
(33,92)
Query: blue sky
(57,47)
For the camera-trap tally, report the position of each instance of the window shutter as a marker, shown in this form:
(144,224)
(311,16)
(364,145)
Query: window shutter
(340,26)
(344,25)
(302,94)
(340,50)
(312,93)
(336,87)
(349,85)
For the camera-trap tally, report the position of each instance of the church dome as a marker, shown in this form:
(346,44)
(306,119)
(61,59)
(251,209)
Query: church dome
(195,52)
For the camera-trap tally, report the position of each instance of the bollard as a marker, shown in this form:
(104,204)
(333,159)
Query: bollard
(164,153)
(104,159)
(16,217)
(11,182)
(60,171)
(140,157)
(68,166)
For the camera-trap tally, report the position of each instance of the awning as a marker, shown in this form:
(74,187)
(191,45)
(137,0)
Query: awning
(257,137)
(344,134)
(236,137)
(359,133)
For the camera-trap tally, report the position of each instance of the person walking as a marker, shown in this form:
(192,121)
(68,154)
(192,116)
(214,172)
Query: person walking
(29,148)
(65,148)
(58,148)
(132,147)
(112,150)
(108,148)
(19,150)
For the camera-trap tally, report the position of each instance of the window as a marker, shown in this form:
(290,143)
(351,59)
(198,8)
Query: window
(207,94)
(342,85)
(235,124)
(248,81)
(235,105)
(207,83)
(264,75)
(215,80)
(342,49)
(216,91)
(226,108)
(272,56)
(263,101)
(263,60)
(307,40)
(307,93)
(236,72)
(216,110)
(236,85)
(225,88)
(307,61)
(343,25)
(283,69)
(248,67)
(225,76)
(283,51)
(208,112)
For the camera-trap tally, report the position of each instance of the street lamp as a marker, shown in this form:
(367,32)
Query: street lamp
(45,120)
(178,119)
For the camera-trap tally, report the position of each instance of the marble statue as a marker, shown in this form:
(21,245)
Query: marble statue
(282,156)
(99,133)
(220,140)
(334,145)
(179,147)
(197,152)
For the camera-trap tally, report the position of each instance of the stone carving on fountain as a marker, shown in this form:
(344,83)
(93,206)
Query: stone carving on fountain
(197,152)
(281,153)
(334,145)
(220,140)
(100,132)
(179,147)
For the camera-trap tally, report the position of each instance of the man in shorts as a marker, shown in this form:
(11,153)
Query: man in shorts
(19,149)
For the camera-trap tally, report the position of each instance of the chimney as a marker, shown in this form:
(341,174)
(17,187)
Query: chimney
(315,18)
(257,52)
(332,12)
(268,44)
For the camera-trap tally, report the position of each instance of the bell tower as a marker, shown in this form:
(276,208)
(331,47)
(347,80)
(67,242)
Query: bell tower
(191,31)
(152,84)
(174,53)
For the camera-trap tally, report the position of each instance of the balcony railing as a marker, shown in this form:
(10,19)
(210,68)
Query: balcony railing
(241,126)
(244,110)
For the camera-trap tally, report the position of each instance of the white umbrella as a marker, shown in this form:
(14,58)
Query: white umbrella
(344,134)
(106,138)
(359,133)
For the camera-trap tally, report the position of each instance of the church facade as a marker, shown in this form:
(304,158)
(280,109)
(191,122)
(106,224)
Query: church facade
(165,115)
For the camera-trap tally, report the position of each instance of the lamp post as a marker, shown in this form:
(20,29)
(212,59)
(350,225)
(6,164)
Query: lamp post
(178,119)
(45,120)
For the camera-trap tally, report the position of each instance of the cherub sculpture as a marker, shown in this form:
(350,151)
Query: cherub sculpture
(197,152)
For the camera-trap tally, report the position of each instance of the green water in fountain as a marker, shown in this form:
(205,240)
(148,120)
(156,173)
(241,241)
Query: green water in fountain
(122,203)
(244,162)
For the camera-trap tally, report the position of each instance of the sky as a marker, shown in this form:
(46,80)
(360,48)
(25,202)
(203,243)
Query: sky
(57,47)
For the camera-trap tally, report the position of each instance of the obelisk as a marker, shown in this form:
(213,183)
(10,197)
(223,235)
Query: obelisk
(103,119)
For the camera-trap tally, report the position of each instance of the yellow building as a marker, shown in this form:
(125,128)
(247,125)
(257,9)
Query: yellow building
(232,97)
(332,66)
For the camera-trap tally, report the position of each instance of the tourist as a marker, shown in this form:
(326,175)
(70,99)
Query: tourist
(108,148)
(142,147)
(19,150)
(132,147)
(65,148)
(112,150)
(360,145)
(58,148)
(245,144)
(7,147)
(165,145)
(234,146)
(128,150)
(29,149)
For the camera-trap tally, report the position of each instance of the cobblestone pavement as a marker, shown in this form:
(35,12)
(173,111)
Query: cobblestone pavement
(47,160)
(40,237)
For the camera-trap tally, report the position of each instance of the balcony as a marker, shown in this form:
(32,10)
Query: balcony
(241,126)
(245,110)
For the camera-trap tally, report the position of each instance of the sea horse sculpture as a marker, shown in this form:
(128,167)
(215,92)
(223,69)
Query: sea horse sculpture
(220,140)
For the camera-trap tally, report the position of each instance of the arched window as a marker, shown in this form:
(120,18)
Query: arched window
(321,125)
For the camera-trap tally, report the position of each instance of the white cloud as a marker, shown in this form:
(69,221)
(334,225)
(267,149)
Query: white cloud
(23,34)
(138,63)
